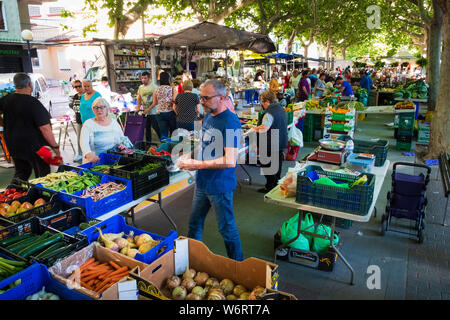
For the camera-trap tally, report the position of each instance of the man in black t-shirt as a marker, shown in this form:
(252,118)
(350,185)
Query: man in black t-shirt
(27,128)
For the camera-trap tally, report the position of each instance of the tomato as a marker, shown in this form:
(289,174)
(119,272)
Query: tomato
(17,196)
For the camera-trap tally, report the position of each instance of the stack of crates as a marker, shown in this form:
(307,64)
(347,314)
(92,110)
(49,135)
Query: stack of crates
(311,123)
(338,124)
(405,131)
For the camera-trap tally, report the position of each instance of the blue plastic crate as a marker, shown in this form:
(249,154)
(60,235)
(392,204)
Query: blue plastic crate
(357,163)
(63,168)
(95,209)
(356,200)
(108,159)
(117,224)
(33,279)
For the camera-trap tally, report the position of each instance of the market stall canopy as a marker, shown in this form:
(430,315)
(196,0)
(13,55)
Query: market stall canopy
(285,56)
(207,35)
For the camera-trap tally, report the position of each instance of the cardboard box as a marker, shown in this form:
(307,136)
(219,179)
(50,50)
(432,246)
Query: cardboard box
(278,295)
(250,273)
(62,270)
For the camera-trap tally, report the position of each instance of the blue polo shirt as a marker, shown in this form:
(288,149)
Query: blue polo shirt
(348,89)
(226,127)
(366,82)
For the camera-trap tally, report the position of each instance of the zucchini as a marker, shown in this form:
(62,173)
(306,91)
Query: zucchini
(50,250)
(15,239)
(60,253)
(22,244)
(42,245)
(40,239)
(13,263)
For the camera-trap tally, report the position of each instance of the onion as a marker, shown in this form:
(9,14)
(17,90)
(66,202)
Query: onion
(189,273)
(200,291)
(227,286)
(188,283)
(231,297)
(216,294)
(173,282)
(256,293)
(179,293)
(212,282)
(238,290)
(201,278)
(193,296)
(121,242)
(244,296)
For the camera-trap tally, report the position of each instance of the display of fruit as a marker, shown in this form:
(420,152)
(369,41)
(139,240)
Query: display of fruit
(11,194)
(128,245)
(312,104)
(193,285)
(9,210)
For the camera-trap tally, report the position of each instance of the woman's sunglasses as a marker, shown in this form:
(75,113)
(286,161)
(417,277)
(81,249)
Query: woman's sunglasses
(77,87)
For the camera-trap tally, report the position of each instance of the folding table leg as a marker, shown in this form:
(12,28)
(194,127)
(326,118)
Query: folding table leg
(445,213)
(346,264)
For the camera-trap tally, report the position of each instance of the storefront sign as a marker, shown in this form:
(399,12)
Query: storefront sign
(9,52)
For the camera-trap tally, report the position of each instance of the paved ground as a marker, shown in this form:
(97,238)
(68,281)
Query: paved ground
(408,270)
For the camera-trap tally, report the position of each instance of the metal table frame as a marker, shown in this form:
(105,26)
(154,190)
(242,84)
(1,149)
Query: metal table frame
(128,209)
(274,197)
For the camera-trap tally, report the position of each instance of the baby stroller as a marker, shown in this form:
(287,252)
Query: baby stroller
(407,199)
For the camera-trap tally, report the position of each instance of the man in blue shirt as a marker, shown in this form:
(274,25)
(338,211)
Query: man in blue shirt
(366,82)
(216,177)
(345,87)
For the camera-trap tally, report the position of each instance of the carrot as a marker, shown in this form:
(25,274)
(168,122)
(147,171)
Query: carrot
(105,287)
(91,282)
(87,263)
(121,270)
(114,265)
(105,274)
(84,284)
(102,284)
(92,276)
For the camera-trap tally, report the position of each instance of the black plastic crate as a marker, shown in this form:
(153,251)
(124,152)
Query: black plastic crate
(320,261)
(33,226)
(146,182)
(5,223)
(70,220)
(356,200)
(50,206)
(379,148)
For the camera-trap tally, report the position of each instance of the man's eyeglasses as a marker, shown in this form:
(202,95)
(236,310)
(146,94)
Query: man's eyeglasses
(206,98)
(99,107)
(77,87)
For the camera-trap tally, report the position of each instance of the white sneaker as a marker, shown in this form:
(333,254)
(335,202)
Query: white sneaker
(78,158)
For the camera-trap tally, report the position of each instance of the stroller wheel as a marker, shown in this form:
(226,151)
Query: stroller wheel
(383,224)
(421,236)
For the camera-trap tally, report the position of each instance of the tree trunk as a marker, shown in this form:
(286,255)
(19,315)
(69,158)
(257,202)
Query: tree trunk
(344,52)
(434,32)
(291,41)
(328,52)
(440,125)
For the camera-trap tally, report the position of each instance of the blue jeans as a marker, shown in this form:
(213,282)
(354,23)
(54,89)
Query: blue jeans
(223,207)
(185,125)
(167,122)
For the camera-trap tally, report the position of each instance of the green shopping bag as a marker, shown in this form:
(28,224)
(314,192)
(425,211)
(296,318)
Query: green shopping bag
(321,245)
(289,231)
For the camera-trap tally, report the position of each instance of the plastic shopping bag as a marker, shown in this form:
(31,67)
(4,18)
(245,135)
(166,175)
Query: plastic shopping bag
(289,185)
(289,231)
(295,137)
(292,153)
(321,245)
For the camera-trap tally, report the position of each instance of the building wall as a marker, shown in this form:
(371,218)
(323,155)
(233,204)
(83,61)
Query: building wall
(63,62)
(12,18)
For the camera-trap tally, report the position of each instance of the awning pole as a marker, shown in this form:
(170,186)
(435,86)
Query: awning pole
(226,64)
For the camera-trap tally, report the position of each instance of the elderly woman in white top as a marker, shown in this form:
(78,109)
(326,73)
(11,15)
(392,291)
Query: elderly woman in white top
(100,133)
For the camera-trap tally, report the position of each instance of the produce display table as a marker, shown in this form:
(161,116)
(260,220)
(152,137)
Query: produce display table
(416,103)
(275,197)
(130,207)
